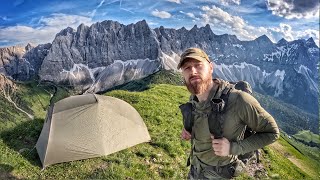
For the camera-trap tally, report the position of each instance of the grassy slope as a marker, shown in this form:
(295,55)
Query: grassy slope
(30,98)
(158,159)
(18,132)
(308,137)
(9,115)
(290,118)
(164,157)
(284,161)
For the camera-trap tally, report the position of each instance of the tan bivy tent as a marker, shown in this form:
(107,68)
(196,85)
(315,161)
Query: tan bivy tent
(87,126)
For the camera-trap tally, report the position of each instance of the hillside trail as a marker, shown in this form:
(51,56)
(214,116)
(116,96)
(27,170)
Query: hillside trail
(7,96)
(8,87)
(278,147)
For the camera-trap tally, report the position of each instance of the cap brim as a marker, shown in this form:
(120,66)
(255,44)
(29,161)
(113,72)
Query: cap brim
(199,58)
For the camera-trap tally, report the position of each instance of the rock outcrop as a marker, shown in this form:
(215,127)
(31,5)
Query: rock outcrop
(102,55)
(22,63)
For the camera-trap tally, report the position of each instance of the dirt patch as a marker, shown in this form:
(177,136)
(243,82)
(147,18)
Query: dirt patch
(5,175)
(277,146)
(5,172)
(298,163)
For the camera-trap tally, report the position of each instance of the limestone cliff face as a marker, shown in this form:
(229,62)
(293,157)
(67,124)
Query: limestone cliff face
(12,61)
(91,57)
(22,63)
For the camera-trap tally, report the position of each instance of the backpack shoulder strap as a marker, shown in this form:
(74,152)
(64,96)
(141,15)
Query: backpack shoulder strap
(225,95)
(218,107)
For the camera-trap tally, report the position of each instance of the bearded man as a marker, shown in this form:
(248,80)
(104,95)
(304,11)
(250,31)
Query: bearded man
(215,119)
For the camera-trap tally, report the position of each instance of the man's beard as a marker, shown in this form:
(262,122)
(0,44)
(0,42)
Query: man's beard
(198,87)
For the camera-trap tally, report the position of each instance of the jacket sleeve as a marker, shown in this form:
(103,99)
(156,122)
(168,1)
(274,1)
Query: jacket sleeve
(253,115)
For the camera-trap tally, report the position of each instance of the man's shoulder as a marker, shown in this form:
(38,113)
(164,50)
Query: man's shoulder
(241,97)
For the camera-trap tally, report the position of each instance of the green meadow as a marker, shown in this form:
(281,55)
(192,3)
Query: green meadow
(164,157)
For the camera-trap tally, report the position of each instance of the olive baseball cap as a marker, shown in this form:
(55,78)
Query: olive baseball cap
(194,53)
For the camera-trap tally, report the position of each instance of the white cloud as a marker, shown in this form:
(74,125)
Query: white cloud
(283,31)
(24,34)
(49,27)
(189,14)
(175,1)
(309,33)
(287,32)
(151,23)
(64,20)
(227,23)
(290,9)
(161,14)
(231,24)
(228,2)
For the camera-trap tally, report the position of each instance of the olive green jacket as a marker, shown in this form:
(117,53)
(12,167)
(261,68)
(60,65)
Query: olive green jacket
(242,109)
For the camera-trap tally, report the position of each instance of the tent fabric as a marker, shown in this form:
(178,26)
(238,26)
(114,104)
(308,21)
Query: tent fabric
(87,126)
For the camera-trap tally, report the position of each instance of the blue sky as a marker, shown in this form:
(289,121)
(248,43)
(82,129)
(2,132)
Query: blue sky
(37,21)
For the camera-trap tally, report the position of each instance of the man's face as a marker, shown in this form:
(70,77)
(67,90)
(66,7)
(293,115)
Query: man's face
(197,75)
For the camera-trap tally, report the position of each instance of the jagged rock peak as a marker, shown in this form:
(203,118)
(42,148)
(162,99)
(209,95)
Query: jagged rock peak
(142,22)
(29,47)
(195,27)
(231,38)
(18,50)
(82,27)
(310,42)
(207,27)
(46,46)
(263,37)
(108,23)
(66,31)
(183,29)
(282,41)
(310,39)
(142,25)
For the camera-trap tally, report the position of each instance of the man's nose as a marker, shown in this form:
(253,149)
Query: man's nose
(193,70)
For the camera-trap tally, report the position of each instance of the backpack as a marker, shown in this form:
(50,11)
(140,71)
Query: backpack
(218,108)
(246,87)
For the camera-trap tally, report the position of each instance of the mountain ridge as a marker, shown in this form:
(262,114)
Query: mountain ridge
(108,54)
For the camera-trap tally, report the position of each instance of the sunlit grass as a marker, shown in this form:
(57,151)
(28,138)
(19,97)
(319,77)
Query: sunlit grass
(164,157)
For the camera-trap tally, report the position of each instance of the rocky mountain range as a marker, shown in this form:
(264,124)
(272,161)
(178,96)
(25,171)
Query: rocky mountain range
(106,54)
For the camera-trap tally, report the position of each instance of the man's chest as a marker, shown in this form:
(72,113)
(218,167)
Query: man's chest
(231,125)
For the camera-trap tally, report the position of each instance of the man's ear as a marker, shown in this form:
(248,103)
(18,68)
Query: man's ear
(211,67)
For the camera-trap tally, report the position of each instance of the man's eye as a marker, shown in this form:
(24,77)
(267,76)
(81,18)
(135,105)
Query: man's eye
(187,68)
